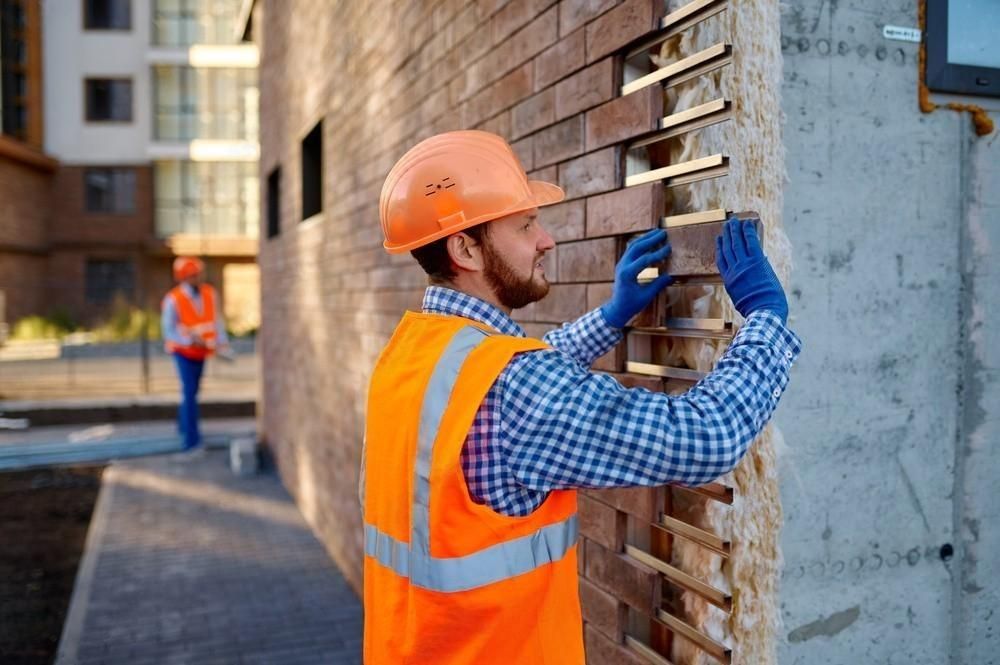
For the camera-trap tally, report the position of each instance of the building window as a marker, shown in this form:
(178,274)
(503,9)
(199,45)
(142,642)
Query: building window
(109,190)
(274,203)
(109,100)
(312,172)
(204,103)
(107,14)
(105,280)
(962,53)
(13,69)
(207,198)
(187,22)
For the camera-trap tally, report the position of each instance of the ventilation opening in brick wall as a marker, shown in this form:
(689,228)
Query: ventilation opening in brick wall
(274,203)
(312,172)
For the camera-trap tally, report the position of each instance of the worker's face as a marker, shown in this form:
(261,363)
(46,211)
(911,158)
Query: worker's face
(193,280)
(512,251)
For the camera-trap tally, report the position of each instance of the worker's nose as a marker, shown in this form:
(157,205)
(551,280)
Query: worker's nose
(545,241)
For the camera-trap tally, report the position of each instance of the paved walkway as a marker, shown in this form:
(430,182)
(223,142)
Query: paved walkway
(187,563)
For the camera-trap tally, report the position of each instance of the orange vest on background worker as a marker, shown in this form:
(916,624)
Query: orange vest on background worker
(193,320)
(448,581)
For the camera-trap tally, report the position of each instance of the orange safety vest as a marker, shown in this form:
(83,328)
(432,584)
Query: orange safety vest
(191,320)
(448,581)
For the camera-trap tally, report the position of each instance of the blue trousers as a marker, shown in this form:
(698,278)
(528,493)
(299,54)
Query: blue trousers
(187,416)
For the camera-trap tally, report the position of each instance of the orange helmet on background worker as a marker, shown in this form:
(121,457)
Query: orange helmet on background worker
(187,266)
(454,181)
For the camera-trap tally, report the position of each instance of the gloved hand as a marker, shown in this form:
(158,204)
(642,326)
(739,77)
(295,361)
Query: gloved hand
(629,297)
(747,274)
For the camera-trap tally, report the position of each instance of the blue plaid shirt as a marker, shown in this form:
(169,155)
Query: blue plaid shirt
(550,423)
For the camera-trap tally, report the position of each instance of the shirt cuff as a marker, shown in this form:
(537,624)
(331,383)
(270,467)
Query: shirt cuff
(603,334)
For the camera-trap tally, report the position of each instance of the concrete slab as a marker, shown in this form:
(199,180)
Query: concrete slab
(187,563)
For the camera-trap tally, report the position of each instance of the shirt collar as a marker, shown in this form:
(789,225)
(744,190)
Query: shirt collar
(442,300)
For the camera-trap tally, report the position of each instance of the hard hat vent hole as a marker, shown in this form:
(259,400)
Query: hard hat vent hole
(434,187)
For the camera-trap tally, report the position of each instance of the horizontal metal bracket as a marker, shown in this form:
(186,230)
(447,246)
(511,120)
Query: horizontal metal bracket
(685,69)
(717,597)
(715,491)
(692,119)
(679,373)
(713,166)
(678,21)
(718,651)
(704,538)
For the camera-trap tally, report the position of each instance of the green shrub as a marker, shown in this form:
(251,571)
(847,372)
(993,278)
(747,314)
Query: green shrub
(125,323)
(56,325)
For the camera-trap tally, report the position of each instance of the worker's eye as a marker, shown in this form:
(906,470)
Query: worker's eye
(528,225)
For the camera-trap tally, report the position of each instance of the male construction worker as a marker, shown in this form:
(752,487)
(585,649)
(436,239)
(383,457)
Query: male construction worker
(478,437)
(193,330)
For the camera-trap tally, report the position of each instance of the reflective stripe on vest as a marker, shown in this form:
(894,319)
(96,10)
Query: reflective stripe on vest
(493,564)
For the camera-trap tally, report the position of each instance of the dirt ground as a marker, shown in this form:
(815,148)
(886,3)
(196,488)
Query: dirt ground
(44,515)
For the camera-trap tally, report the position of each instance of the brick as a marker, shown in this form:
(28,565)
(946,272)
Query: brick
(603,651)
(548,174)
(612,361)
(559,142)
(585,89)
(594,173)
(515,15)
(534,113)
(498,124)
(574,13)
(602,611)
(524,150)
(565,302)
(524,45)
(564,221)
(628,210)
(622,25)
(625,578)
(624,118)
(588,260)
(641,502)
(601,523)
(560,60)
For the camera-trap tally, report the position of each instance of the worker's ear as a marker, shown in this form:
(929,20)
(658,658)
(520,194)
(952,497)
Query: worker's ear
(465,253)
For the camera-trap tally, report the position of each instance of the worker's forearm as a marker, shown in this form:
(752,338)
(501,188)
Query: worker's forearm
(581,429)
(586,339)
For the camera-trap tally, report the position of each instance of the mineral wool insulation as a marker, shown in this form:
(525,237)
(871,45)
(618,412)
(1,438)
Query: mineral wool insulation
(752,139)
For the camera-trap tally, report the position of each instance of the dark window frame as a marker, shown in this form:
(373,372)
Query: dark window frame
(104,293)
(274,203)
(88,18)
(942,76)
(111,172)
(87,100)
(311,153)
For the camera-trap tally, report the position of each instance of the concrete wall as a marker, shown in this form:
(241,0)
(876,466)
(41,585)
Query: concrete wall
(893,445)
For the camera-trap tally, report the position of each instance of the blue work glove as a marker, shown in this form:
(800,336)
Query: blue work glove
(750,281)
(629,297)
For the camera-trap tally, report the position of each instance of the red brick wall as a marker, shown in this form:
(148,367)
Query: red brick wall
(25,191)
(73,225)
(383,76)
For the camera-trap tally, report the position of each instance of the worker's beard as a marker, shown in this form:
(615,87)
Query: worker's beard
(511,289)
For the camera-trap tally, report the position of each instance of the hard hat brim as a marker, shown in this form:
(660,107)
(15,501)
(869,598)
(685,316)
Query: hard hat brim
(542,194)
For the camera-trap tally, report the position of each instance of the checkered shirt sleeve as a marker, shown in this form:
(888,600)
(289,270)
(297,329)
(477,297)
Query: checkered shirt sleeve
(549,423)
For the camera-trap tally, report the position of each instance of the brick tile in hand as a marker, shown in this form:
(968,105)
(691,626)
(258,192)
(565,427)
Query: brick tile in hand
(560,60)
(594,173)
(624,118)
(622,25)
(585,89)
(559,142)
(630,210)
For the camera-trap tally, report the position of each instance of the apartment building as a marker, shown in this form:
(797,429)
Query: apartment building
(25,172)
(152,116)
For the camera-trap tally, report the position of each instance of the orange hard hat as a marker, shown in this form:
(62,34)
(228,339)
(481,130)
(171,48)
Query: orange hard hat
(187,266)
(452,181)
